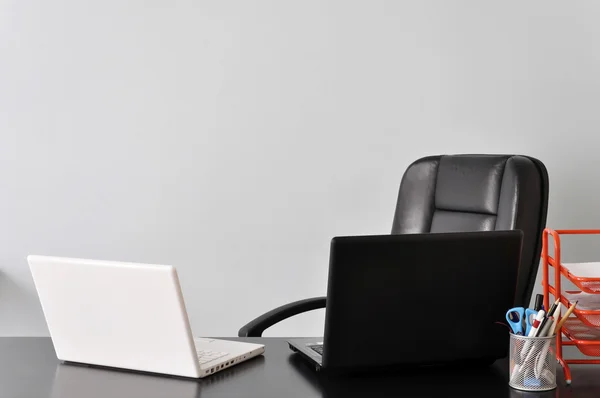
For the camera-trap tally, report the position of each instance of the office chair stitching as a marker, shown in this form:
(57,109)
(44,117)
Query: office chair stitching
(500,191)
(434,206)
(543,214)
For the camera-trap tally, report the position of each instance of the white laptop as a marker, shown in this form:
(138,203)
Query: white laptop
(126,315)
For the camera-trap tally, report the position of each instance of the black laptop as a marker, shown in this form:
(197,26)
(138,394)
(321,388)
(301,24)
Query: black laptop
(416,300)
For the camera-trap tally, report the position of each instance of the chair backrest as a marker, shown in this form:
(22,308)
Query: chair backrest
(463,193)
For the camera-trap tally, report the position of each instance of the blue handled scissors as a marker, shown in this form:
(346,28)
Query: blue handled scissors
(520,320)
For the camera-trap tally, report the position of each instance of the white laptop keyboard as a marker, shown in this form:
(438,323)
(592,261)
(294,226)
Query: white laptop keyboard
(205,356)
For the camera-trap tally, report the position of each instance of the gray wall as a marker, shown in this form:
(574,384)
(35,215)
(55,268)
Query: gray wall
(233,139)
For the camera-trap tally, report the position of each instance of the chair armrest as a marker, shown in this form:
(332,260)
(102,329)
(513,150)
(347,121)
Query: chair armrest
(256,327)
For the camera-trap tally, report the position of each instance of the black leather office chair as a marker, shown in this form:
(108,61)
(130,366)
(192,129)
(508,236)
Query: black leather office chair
(460,193)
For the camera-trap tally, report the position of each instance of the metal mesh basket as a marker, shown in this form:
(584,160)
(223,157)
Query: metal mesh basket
(532,363)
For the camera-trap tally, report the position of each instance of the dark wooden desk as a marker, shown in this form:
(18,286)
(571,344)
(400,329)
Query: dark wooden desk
(29,369)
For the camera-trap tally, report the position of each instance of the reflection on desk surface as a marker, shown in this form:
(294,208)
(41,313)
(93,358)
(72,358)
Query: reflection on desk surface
(72,380)
(486,382)
(79,380)
(430,382)
(29,369)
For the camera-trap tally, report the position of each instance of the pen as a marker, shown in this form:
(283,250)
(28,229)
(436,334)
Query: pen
(551,329)
(541,327)
(532,332)
(542,332)
(536,323)
(539,365)
(538,302)
(541,356)
(553,308)
(546,331)
(549,314)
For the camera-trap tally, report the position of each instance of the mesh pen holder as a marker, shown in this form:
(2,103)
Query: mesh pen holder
(532,363)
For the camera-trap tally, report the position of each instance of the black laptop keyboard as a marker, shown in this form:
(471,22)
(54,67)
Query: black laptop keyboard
(318,348)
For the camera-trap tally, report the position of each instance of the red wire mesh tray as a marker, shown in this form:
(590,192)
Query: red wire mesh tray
(585,276)
(586,338)
(588,306)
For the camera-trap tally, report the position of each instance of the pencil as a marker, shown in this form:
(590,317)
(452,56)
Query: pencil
(553,307)
(564,318)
